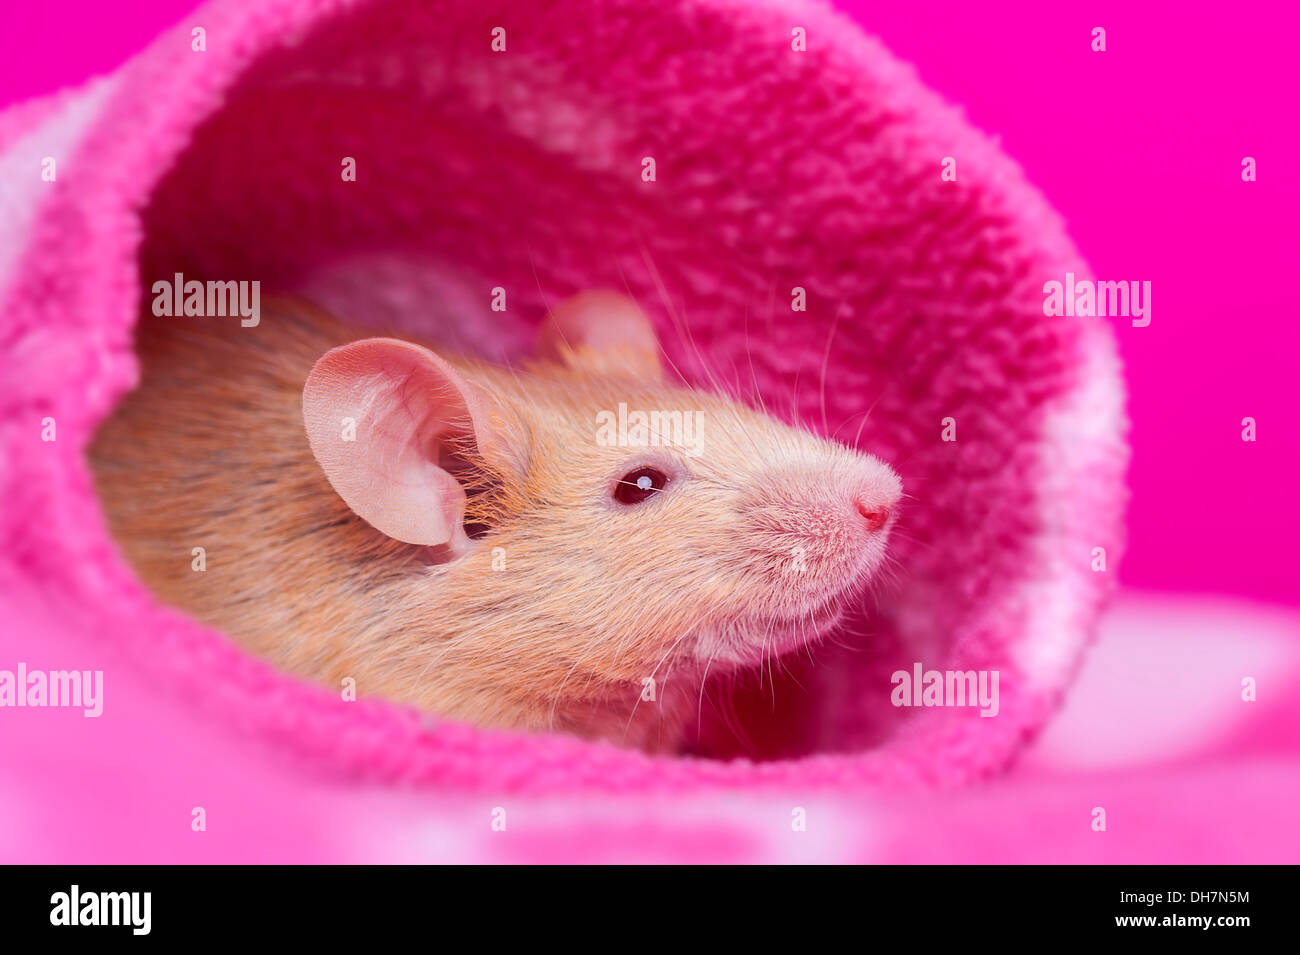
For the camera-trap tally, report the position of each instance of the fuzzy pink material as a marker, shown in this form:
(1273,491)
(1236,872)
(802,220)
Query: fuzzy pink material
(775,169)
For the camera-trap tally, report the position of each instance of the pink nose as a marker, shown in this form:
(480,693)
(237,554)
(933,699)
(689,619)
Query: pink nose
(875,514)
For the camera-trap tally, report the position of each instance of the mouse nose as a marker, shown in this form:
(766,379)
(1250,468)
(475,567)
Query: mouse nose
(876,515)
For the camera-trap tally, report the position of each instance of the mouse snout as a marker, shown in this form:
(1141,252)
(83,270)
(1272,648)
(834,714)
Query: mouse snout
(829,514)
(875,492)
(875,514)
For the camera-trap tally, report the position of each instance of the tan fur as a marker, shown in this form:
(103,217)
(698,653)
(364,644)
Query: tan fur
(594,598)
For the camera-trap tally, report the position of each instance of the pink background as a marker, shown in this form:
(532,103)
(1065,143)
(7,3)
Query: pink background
(1122,143)
(1140,149)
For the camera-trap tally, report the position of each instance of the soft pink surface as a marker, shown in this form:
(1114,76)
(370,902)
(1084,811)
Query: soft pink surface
(822,174)
(1175,790)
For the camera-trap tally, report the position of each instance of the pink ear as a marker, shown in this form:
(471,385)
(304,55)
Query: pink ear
(378,414)
(604,332)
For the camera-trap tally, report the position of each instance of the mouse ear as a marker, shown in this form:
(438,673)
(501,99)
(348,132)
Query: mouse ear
(602,332)
(381,415)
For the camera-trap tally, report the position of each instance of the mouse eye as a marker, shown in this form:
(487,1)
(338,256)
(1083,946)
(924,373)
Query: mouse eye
(635,486)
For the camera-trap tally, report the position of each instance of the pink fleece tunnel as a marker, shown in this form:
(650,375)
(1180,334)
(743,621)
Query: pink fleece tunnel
(776,168)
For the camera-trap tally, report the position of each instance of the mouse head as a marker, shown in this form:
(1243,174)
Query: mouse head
(635,519)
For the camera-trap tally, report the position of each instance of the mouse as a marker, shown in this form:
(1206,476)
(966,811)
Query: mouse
(570,543)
